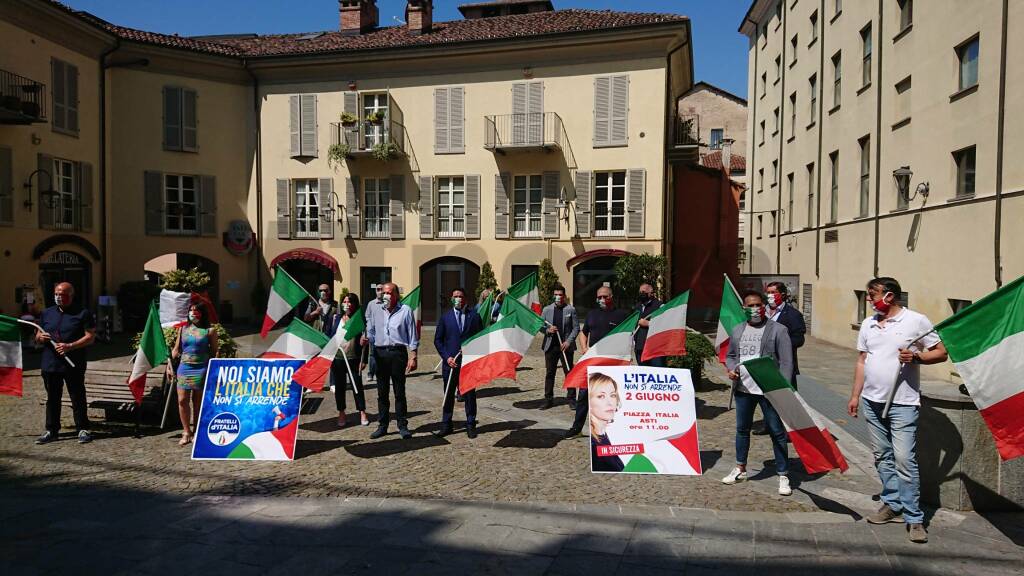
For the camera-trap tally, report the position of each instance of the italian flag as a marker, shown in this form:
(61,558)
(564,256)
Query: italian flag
(299,340)
(985,341)
(666,336)
(615,349)
(277,444)
(412,300)
(527,293)
(485,308)
(514,306)
(285,294)
(496,351)
(730,315)
(313,374)
(10,356)
(152,352)
(812,441)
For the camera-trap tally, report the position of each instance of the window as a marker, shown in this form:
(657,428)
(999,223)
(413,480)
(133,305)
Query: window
(957,305)
(65,207)
(526,204)
(609,204)
(775,123)
(810,196)
(789,209)
(778,68)
(449,120)
(903,99)
(764,83)
(611,109)
(833,215)
(906,13)
(180,119)
(181,204)
(792,114)
(762,131)
(716,138)
(302,126)
(376,103)
(967,54)
(760,179)
(865,174)
(814,26)
(837,80)
(451,207)
(865,39)
(965,160)
(775,172)
(743,201)
(813,85)
(772,230)
(307,209)
(793,44)
(65,97)
(862,305)
(377,202)
(760,225)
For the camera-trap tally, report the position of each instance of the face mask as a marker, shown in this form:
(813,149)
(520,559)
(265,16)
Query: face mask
(645,297)
(58,299)
(880,305)
(604,303)
(755,314)
(346,307)
(380,296)
(558,299)
(323,294)
(194,316)
(386,298)
(457,302)
(775,300)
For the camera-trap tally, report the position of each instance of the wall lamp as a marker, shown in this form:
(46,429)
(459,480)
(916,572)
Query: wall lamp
(902,176)
(47,196)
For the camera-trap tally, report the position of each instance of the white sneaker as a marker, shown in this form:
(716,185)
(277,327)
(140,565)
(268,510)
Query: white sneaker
(735,476)
(784,489)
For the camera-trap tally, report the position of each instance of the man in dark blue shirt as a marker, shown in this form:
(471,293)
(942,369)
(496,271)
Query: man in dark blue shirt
(596,326)
(70,329)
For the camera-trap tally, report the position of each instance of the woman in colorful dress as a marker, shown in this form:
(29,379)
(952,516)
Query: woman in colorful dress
(195,345)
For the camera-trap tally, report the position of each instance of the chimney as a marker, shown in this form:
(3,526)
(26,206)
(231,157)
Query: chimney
(357,16)
(727,156)
(419,16)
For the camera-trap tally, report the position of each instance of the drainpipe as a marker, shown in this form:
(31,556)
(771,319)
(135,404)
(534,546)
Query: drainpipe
(257,235)
(103,165)
(668,206)
(753,157)
(821,134)
(876,40)
(999,151)
(782,141)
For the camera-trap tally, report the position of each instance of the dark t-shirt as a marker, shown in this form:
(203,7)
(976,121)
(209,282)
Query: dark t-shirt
(65,326)
(640,338)
(600,322)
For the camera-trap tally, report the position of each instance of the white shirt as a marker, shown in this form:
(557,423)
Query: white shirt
(775,314)
(882,344)
(750,348)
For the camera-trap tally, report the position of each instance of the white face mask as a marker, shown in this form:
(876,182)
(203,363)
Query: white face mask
(192,316)
(457,302)
(58,299)
(346,307)
(386,298)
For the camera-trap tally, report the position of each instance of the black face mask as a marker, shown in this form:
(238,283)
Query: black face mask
(644,297)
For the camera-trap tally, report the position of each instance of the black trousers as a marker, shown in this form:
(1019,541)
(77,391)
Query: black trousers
(391,364)
(552,364)
(658,362)
(582,408)
(54,383)
(469,398)
(339,377)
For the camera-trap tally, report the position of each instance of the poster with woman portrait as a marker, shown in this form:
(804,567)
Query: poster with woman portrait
(642,420)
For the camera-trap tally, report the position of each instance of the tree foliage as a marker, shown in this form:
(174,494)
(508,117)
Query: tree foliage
(487,281)
(193,280)
(632,270)
(547,279)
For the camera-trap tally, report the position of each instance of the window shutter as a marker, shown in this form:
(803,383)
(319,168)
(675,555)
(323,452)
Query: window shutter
(352,206)
(59,77)
(426,206)
(501,182)
(6,188)
(457,120)
(619,110)
(71,100)
(208,205)
(519,113)
(635,185)
(326,187)
(45,164)
(442,130)
(308,125)
(602,111)
(293,127)
(85,195)
(172,118)
(284,204)
(549,211)
(397,208)
(535,112)
(350,104)
(472,206)
(189,134)
(153,185)
(583,203)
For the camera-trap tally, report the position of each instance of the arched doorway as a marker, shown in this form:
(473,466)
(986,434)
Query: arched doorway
(587,277)
(437,280)
(309,267)
(66,266)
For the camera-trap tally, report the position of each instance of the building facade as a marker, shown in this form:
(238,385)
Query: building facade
(877,148)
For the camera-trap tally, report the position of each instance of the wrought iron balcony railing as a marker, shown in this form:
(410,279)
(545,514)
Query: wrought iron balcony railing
(22,101)
(687,130)
(524,131)
(382,140)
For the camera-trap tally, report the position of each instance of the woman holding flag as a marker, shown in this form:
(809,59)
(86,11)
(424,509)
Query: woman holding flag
(195,345)
(355,355)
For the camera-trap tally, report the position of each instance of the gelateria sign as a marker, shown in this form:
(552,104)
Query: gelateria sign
(238,238)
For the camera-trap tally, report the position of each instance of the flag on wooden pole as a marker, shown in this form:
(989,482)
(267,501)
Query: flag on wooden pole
(10,356)
(730,315)
(666,335)
(152,352)
(285,294)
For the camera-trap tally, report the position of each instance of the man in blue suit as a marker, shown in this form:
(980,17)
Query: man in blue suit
(782,312)
(454,327)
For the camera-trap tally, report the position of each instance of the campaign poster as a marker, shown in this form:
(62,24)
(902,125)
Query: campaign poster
(250,410)
(642,420)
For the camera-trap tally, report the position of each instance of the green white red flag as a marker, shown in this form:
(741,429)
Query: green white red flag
(485,308)
(615,349)
(985,341)
(514,306)
(10,356)
(299,340)
(526,292)
(496,351)
(285,294)
(313,374)
(666,335)
(152,352)
(412,300)
(730,315)
(813,442)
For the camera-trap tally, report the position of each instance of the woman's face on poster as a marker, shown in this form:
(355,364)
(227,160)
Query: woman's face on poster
(604,401)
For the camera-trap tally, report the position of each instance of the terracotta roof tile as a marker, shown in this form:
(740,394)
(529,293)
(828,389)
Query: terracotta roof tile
(714,160)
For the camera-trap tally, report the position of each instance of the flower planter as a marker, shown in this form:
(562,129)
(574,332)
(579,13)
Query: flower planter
(30,109)
(11,103)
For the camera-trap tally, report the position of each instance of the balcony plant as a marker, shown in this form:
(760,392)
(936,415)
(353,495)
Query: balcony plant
(30,109)
(385,151)
(375,117)
(11,102)
(348,119)
(336,153)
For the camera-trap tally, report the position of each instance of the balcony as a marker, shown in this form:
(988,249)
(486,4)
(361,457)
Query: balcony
(382,141)
(524,132)
(684,144)
(22,101)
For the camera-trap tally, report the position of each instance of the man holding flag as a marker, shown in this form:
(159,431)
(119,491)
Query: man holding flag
(561,327)
(892,344)
(646,305)
(392,332)
(454,328)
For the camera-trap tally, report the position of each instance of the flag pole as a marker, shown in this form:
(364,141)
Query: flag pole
(439,362)
(348,368)
(448,382)
(565,359)
(52,344)
(896,380)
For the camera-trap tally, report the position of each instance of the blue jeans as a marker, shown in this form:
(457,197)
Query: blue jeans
(894,443)
(745,404)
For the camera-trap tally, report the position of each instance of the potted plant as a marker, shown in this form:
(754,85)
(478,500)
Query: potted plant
(699,350)
(375,117)
(385,151)
(348,119)
(29,108)
(336,153)
(11,102)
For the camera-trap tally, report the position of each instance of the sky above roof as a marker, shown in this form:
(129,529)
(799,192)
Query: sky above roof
(720,52)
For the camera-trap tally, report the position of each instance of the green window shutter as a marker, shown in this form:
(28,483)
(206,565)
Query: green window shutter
(295,148)
(583,203)
(472,206)
(307,138)
(58,79)
(426,207)
(618,122)
(635,186)
(602,111)
(352,206)
(71,100)
(208,205)
(284,214)
(6,188)
(549,209)
(172,118)
(397,207)
(45,164)
(501,214)
(85,196)
(326,187)
(153,186)
(189,134)
(442,130)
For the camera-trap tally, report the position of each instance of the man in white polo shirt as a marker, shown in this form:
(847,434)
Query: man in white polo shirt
(885,348)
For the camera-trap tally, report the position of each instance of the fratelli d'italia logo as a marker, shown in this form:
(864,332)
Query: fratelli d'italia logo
(223,429)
